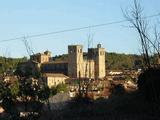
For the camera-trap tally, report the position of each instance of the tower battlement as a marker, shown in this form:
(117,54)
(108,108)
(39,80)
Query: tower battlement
(93,67)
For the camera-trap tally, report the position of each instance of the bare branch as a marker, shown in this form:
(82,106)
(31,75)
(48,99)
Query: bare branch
(149,46)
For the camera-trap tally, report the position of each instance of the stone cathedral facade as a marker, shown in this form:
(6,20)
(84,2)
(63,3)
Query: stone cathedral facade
(78,65)
(92,66)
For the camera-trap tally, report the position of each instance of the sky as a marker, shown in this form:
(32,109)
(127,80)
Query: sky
(19,18)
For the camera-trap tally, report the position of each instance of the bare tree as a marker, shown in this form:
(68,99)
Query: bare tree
(27,46)
(149,45)
(44,88)
(148,81)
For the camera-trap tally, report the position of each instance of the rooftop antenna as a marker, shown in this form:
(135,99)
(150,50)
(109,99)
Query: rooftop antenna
(90,40)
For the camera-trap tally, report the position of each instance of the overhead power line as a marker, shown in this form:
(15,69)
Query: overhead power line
(74,29)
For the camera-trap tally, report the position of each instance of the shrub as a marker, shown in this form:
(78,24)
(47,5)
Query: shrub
(118,90)
(61,88)
(149,84)
(53,91)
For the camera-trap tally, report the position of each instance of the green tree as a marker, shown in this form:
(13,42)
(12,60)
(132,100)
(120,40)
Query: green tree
(53,91)
(7,100)
(44,93)
(61,88)
(33,94)
(14,88)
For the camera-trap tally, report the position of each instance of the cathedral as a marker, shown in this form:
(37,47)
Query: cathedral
(91,65)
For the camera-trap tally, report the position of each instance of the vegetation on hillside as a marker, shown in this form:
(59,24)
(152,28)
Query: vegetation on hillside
(123,61)
(10,63)
(114,61)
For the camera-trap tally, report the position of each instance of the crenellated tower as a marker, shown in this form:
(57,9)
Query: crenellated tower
(75,61)
(98,55)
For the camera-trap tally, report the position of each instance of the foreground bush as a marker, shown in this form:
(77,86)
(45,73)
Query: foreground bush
(149,84)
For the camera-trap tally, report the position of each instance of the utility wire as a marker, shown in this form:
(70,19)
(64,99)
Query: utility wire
(74,29)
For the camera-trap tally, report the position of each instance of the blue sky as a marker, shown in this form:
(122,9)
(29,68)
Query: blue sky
(26,17)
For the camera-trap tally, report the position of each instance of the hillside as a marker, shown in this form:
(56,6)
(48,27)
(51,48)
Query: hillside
(123,61)
(113,61)
(10,63)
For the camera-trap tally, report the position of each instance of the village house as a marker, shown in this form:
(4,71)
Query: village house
(54,79)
